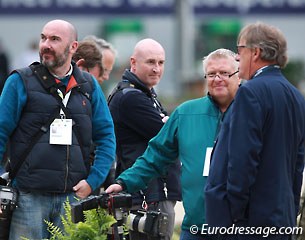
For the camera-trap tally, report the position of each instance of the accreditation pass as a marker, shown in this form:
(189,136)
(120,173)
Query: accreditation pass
(207,161)
(61,132)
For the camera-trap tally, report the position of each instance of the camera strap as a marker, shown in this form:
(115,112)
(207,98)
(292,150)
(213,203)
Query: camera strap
(120,86)
(13,171)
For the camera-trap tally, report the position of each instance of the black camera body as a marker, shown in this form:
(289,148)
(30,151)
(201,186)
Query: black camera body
(153,223)
(8,201)
(106,201)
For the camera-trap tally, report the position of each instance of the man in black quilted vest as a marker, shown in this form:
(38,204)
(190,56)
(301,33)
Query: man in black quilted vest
(50,112)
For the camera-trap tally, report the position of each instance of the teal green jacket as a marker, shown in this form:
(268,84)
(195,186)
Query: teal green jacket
(191,128)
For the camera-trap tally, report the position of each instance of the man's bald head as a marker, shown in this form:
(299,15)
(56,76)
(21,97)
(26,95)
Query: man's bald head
(147,45)
(66,27)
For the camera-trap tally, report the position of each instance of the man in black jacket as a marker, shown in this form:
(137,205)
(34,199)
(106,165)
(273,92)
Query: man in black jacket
(138,116)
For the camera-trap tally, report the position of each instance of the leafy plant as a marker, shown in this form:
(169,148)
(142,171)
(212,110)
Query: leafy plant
(95,227)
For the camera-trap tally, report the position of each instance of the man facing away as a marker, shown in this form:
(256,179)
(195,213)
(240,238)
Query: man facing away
(189,135)
(138,116)
(109,54)
(95,55)
(257,165)
(55,165)
(88,57)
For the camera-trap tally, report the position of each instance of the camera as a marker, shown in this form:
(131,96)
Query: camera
(106,201)
(153,223)
(8,202)
(117,205)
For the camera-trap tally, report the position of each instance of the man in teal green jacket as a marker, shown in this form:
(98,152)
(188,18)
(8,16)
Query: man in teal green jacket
(188,134)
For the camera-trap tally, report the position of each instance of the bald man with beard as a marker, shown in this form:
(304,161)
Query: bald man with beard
(51,113)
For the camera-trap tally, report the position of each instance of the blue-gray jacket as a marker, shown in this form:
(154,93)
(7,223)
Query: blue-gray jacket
(256,168)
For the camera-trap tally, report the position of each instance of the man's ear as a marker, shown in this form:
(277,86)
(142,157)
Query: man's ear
(132,64)
(81,63)
(256,53)
(73,47)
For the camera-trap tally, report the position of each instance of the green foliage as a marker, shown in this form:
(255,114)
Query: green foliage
(95,227)
(295,71)
(177,231)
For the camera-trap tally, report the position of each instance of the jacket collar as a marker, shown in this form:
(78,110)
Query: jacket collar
(133,79)
(49,80)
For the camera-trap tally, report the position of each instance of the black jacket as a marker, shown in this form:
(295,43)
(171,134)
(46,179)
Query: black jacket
(136,115)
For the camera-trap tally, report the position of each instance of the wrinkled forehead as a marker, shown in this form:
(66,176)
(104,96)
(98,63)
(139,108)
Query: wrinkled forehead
(151,54)
(221,61)
(57,29)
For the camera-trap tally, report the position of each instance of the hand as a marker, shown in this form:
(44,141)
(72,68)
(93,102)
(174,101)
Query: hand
(82,189)
(114,188)
(164,117)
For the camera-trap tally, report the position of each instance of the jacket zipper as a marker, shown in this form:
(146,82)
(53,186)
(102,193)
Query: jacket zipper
(67,168)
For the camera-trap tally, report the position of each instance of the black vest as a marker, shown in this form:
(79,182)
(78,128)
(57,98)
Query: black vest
(52,168)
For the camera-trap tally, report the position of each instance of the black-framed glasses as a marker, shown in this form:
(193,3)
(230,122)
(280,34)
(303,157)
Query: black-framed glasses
(221,75)
(238,47)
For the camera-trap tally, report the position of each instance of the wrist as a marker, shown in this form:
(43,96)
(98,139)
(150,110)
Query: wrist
(121,183)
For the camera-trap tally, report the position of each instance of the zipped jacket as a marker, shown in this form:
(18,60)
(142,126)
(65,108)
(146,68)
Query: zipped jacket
(51,167)
(187,134)
(136,115)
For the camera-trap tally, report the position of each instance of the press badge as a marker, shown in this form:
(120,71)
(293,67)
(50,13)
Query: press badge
(207,161)
(61,132)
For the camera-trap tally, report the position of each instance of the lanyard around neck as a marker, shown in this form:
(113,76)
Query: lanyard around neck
(64,101)
(265,68)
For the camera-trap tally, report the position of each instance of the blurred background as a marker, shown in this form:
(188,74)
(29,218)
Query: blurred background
(188,30)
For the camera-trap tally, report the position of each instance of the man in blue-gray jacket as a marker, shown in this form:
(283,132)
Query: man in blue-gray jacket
(50,112)
(253,188)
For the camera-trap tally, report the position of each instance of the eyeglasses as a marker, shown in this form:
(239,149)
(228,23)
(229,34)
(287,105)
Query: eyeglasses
(238,47)
(221,75)
(106,71)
